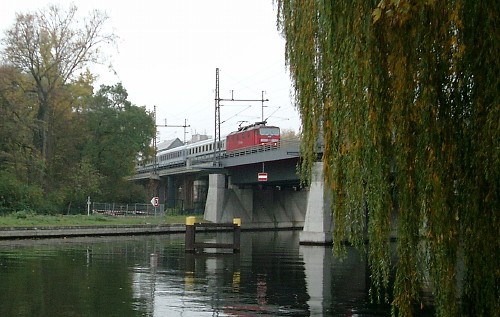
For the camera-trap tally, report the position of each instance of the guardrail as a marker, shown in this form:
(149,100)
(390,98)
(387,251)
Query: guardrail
(114,209)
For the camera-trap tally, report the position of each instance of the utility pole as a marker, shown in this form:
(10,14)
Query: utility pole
(176,126)
(217,141)
(217,120)
(155,164)
(262,100)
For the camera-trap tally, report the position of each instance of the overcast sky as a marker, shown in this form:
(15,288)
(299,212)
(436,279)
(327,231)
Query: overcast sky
(168,52)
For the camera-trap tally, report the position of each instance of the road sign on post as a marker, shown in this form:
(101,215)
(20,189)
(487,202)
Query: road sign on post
(155,201)
(262,177)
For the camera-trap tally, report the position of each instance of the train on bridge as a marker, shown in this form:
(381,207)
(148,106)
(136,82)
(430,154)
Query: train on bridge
(254,136)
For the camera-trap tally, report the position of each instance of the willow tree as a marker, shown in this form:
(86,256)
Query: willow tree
(52,46)
(405,95)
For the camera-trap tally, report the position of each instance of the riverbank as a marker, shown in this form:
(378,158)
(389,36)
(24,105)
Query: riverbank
(25,219)
(28,225)
(32,226)
(79,231)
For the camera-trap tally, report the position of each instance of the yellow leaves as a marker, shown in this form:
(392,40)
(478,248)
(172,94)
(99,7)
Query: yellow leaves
(405,107)
(377,12)
(431,157)
(334,186)
(371,114)
(436,179)
(398,11)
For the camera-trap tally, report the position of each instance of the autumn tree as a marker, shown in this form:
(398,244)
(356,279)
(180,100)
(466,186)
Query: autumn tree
(405,95)
(289,135)
(18,159)
(52,46)
(17,110)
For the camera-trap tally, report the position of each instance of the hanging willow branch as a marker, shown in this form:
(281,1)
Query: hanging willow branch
(405,95)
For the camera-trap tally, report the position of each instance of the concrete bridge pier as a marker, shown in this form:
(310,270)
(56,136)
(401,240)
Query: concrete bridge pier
(227,202)
(215,197)
(318,225)
(170,192)
(161,191)
(256,207)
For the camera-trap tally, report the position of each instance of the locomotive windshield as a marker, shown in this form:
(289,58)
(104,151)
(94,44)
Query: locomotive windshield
(270,131)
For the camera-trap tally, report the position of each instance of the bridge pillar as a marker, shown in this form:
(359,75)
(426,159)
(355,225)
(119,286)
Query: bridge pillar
(200,190)
(171,193)
(162,191)
(215,197)
(318,225)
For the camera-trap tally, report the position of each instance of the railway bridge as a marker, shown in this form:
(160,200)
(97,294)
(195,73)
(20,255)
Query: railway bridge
(258,184)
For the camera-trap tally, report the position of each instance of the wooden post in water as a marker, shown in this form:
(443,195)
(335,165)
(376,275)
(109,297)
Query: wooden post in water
(190,234)
(236,234)
(190,238)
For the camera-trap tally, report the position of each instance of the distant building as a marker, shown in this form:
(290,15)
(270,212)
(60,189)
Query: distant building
(169,144)
(198,137)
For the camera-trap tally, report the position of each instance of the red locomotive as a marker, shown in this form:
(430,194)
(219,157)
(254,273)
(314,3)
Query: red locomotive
(255,134)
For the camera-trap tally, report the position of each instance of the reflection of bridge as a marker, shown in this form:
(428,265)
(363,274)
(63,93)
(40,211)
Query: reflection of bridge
(232,189)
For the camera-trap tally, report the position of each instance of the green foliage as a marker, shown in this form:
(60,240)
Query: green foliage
(50,47)
(118,132)
(16,117)
(84,181)
(16,195)
(62,142)
(405,95)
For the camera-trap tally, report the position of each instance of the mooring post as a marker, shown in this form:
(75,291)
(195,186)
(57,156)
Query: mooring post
(236,234)
(190,234)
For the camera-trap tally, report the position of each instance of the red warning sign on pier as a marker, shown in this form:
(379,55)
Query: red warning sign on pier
(262,177)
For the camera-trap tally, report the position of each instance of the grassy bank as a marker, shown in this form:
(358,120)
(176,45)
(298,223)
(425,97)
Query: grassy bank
(34,220)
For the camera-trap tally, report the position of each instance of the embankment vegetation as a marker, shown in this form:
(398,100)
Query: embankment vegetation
(62,139)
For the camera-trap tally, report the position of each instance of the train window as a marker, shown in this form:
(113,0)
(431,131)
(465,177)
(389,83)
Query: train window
(270,131)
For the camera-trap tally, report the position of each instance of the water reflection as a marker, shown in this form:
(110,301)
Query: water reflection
(152,276)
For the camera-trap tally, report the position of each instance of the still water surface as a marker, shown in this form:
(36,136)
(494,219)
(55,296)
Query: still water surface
(153,276)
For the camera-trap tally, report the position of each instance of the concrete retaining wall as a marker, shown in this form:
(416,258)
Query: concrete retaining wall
(75,231)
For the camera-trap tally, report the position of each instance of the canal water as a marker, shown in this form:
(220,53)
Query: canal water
(153,276)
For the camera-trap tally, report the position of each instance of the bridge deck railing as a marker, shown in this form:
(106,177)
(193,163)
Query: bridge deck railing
(251,150)
(208,157)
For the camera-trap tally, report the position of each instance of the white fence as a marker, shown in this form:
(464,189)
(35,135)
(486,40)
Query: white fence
(114,209)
